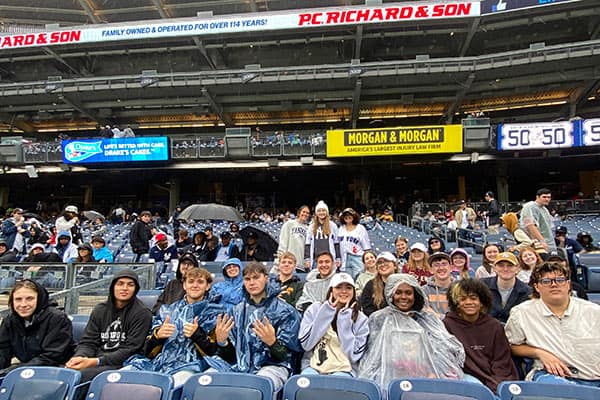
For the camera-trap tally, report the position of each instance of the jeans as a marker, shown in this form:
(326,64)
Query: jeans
(544,376)
(354,265)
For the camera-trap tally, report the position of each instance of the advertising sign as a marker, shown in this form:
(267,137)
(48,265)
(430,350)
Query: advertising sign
(395,141)
(87,151)
(539,135)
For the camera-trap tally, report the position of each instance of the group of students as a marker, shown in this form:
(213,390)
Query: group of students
(276,325)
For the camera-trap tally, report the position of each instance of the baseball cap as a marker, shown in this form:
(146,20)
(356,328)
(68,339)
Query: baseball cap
(159,237)
(189,257)
(386,255)
(561,229)
(341,277)
(507,256)
(437,255)
(554,255)
(225,234)
(18,211)
(37,246)
(72,209)
(418,246)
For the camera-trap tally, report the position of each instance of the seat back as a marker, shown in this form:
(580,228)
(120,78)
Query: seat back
(227,386)
(43,383)
(437,389)
(149,297)
(521,390)
(306,387)
(130,385)
(78,322)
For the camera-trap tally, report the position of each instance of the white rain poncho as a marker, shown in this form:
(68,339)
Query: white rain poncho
(409,344)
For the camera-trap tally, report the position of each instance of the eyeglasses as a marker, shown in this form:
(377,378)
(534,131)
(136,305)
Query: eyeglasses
(560,281)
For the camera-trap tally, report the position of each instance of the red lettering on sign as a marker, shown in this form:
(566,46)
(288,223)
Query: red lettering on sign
(391,13)
(376,15)
(333,17)
(363,15)
(406,12)
(304,19)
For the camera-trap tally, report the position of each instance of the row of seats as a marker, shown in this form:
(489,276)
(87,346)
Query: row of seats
(50,383)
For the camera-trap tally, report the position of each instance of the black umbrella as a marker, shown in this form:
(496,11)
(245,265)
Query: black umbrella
(265,241)
(211,211)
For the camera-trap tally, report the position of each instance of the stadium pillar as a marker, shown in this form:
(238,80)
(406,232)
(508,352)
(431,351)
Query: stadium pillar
(88,191)
(462,192)
(502,182)
(174,194)
(4,191)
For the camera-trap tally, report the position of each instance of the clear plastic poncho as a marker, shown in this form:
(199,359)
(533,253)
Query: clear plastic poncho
(409,344)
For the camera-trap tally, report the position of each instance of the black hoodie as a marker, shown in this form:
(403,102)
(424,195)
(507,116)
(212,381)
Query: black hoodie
(46,340)
(113,334)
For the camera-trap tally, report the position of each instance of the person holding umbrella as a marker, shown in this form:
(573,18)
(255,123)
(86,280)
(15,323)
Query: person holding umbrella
(253,249)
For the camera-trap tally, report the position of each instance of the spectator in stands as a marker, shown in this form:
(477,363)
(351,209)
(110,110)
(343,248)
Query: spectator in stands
(6,255)
(183,241)
(253,249)
(511,222)
(37,234)
(373,297)
(231,288)
(208,232)
(116,330)
(174,291)
(128,132)
(560,332)
(536,220)
(290,284)
(333,333)
(65,249)
(14,230)
(140,234)
(262,332)
(34,333)
(486,270)
(354,240)
(226,248)
(437,285)
(199,247)
(106,132)
(53,233)
(435,245)
(571,246)
(292,236)
(234,229)
(212,247)
(408,341)
(493,213)
(576,289)
(37,253)
(507,290)
(69,221)
(488,358)
(586,241)
(369,260)
(321,236)
(85,253)
(528,260)
(402,251)
(465,219)
(418,264)
(183,332)
(101,252)
(163,251)
(317,282)
(460,262)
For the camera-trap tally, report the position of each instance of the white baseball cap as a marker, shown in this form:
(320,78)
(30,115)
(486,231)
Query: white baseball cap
(341,277)
(386,255)
(418,246)
(72,209)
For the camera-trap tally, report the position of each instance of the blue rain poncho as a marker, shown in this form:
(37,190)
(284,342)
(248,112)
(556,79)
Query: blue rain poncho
(409,344)
(252,353)
(179,352)
(230,289)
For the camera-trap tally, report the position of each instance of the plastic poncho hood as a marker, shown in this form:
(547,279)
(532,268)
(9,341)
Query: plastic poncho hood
(230,289)
(409,344)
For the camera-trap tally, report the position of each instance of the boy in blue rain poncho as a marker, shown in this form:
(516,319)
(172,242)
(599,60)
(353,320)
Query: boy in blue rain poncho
(230,289)
(183,332)
(262,332)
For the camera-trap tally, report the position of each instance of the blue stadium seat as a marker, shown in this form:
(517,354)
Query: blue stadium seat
(43,383)
(437,389)
(130,385)
(305,387)
(79,321)
(521,390)
(149,297)
(227,386)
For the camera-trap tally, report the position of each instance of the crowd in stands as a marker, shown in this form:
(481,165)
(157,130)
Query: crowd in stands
(331,305)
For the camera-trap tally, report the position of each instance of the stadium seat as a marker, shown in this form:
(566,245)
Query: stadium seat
(130,385)
(304,387)
(43,383)
(227,386)
(149,297)
(79,321)
(521,390)
(437,389)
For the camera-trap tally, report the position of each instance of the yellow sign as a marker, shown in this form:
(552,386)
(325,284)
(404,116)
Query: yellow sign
(392,141)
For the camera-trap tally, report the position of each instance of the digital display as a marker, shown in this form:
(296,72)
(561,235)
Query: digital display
(138,149)
(549,135)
